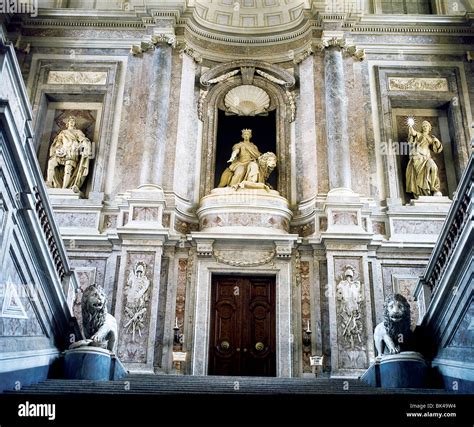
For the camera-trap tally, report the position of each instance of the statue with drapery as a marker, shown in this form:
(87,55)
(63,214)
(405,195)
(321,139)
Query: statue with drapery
(248,167)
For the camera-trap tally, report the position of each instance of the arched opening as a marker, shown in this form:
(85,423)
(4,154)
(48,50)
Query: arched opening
(264,102)
(229,128)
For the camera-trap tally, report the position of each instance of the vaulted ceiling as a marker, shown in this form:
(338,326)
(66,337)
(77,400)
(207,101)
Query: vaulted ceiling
(252,16)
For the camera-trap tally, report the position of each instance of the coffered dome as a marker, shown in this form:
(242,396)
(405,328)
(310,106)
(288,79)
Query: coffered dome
(249,16)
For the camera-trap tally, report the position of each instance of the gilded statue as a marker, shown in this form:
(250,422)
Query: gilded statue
(69,157)
(422,173)
(248,167)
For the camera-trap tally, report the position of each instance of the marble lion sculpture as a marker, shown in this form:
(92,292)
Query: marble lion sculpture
(258,172)
(394,332)
(100,327)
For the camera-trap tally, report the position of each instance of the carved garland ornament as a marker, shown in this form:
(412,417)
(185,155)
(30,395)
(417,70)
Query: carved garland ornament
(242,263)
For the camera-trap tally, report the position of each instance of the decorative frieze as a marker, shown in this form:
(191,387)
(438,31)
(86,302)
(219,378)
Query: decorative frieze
(240,258)
(76,219)
(77,77)
(418,84)
(416,226)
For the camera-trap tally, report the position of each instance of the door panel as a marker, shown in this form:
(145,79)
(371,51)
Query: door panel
(242,338)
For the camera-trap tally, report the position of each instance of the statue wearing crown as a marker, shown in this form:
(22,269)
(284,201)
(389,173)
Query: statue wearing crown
(248,167)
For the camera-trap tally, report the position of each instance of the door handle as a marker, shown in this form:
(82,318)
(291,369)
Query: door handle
(225,345)
(259,346)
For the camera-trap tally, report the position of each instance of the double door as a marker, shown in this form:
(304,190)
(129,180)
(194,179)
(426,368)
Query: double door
(242,340)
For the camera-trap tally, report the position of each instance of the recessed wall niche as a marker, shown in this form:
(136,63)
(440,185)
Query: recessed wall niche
(444,160)
(432,93)
(88,118)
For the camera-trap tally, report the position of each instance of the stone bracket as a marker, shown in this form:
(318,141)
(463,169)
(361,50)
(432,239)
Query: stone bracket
(283,249)
(204,248)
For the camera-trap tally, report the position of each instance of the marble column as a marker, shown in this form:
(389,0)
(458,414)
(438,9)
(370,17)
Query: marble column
(336,120)
(154,142)
(187,160)
(306,161)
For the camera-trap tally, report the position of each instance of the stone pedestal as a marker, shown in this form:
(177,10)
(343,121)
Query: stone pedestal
(244,211)
(343,210)
(92,363)
(405,370)
(348,286)
(63,193)
(432,201)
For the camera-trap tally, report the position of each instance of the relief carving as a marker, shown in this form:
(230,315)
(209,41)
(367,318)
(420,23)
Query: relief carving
(137,297)
(77,77)
(417,227)
(345,218)
(244,259)
(418,83)
(349,298)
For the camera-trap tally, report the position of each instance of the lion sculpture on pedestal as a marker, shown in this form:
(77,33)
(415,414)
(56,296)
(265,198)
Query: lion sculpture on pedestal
(258,172)
(393,334)
(100,327)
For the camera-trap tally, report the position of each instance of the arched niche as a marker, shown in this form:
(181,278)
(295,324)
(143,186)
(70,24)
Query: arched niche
(217,82)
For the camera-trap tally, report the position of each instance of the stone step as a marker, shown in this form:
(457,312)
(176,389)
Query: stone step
(148,384)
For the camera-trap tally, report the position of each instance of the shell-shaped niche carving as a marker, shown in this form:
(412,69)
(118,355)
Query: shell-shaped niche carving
(247,100)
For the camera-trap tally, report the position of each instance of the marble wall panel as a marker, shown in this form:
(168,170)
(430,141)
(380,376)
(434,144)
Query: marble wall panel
(135,321)
(18,315)
(351,306)
(391,272)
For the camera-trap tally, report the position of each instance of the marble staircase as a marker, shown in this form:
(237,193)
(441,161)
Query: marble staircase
(148,384)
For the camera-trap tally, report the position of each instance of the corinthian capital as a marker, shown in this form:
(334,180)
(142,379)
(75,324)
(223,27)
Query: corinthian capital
(336,39)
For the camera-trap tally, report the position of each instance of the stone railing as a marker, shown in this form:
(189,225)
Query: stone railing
(456,227)
(33,212)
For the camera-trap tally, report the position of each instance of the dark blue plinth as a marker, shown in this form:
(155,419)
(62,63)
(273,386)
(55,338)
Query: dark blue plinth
(92,363)
(405,370)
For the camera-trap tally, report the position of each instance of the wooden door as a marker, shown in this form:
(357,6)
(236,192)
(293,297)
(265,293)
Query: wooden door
(242,340)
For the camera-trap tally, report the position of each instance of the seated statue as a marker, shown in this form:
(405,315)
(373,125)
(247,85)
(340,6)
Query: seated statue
(100,327)
(422,172)
(393,334)
(248,167)
(69,156)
